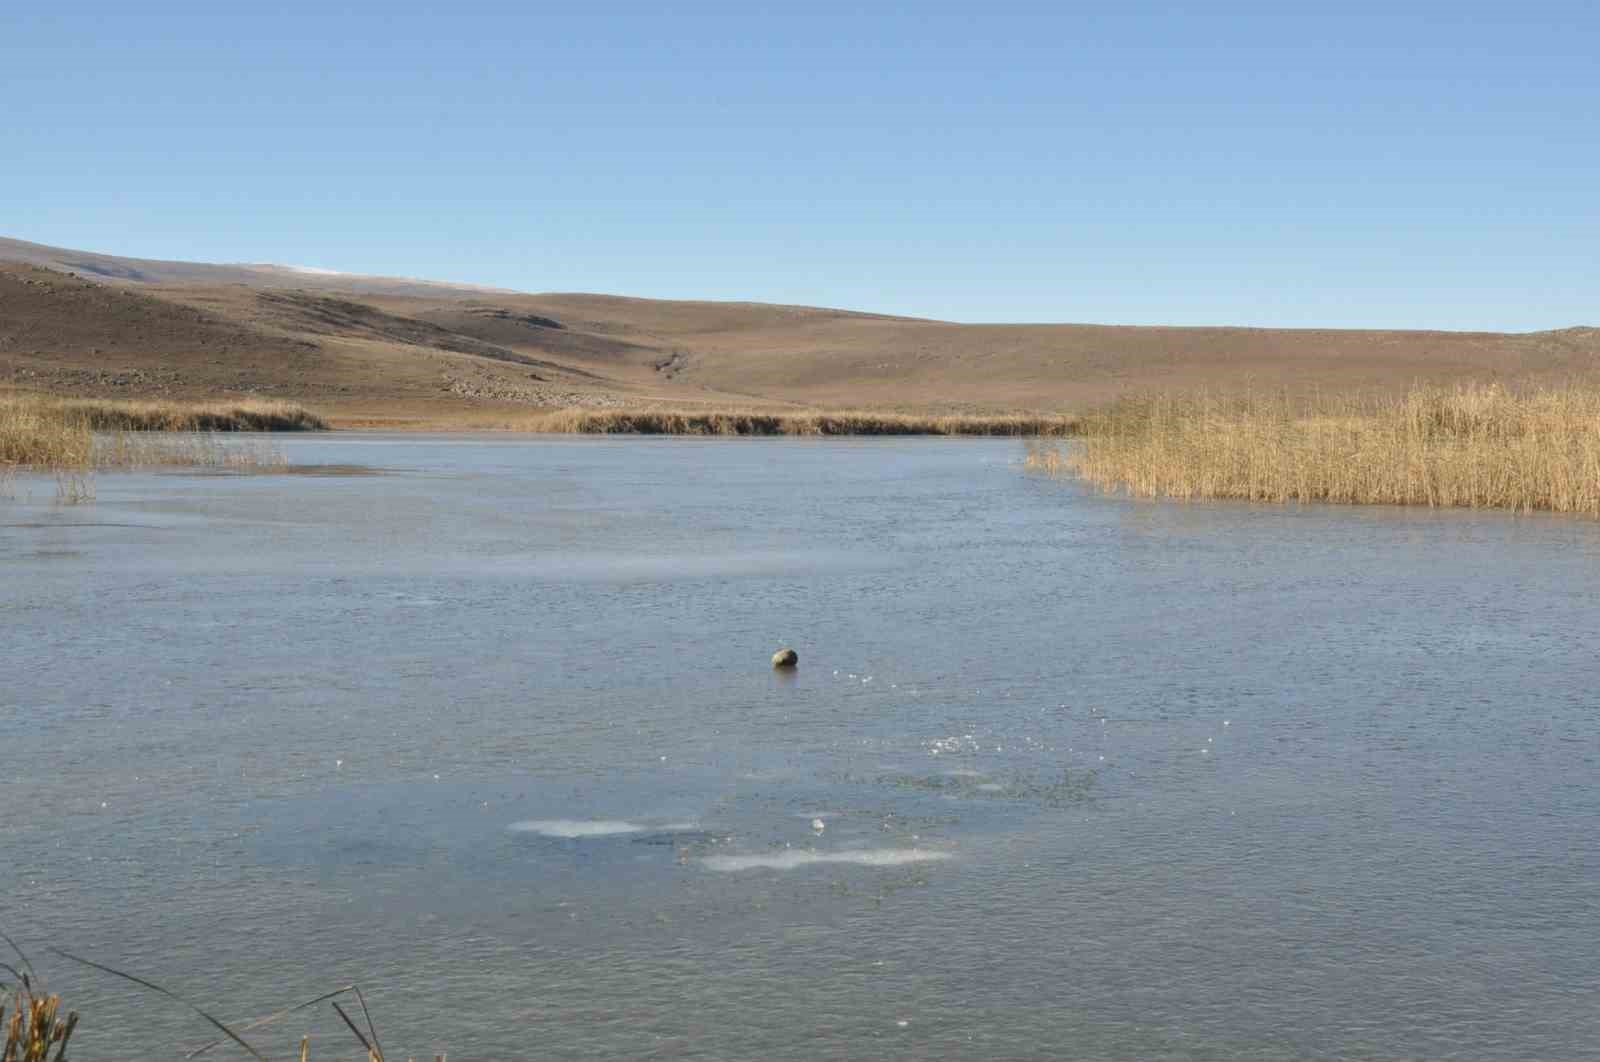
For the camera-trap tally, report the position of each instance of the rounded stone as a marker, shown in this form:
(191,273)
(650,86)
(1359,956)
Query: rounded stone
(785,658)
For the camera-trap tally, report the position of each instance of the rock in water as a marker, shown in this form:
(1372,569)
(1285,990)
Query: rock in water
(785,658)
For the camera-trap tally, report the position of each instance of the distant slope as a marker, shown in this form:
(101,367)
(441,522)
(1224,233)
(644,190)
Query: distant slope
(156,271)
(840,358)
(138,326)
(68,333)
(65,333)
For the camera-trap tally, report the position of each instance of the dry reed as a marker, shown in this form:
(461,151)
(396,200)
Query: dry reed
(808,422)
(1478,446)
(130,450)
(72,438)
(38,433)
(35,1028)
(252,415)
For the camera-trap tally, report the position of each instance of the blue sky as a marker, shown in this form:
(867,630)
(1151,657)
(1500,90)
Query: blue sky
(1390,165)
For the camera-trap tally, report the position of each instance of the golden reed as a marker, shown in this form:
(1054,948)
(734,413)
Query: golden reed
(1479,446)
(35,1032)
(71,438)
(245,415)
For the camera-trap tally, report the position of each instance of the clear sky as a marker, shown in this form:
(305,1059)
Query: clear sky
(1346,164)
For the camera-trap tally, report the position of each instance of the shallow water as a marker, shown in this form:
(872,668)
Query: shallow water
(493,734)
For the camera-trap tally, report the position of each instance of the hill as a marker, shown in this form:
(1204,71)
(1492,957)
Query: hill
(379,349)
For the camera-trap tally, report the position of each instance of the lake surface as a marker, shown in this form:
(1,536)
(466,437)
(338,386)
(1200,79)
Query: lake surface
(493,734)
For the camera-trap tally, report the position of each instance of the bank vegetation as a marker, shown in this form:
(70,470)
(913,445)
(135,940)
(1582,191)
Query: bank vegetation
(1480,446)
(73,438)
(787,422)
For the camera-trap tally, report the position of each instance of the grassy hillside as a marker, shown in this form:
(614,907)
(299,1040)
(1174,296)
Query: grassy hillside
(379,350)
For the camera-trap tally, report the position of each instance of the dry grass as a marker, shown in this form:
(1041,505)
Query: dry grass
(1478,446)
(106,415)
(809,422)
(38,433)
(71,439)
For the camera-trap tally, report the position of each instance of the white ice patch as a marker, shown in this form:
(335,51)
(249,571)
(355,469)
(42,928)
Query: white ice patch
(592,827)
(791,858)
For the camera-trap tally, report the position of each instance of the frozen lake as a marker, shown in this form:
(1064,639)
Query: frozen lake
(492,732)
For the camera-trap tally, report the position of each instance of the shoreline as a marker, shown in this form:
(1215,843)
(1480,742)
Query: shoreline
(235,414)
(1518,448)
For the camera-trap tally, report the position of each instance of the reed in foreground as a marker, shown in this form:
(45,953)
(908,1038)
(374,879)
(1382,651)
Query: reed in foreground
(1482,446)
(36,1034)
(744,422)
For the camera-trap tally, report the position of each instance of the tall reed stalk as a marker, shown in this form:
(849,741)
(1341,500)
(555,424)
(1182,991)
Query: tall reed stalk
(1479,446)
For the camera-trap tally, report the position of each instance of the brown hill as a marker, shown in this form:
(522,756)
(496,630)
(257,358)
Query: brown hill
(155,271)
(369,347)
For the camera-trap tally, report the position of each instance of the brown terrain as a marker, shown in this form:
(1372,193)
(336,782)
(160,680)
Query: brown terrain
(377,350)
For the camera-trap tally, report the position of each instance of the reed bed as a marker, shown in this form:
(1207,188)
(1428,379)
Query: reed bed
(38,433)
(72,439)
(261,416)
(745,422)
(1476,446)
